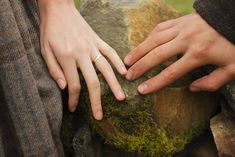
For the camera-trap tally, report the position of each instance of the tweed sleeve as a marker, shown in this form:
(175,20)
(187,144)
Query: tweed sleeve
(220,14)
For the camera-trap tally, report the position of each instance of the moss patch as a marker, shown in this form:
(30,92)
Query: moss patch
(130,126)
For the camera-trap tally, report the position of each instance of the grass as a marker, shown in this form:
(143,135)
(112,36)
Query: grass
(183,6)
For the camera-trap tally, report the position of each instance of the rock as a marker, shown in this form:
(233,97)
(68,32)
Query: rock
(203,146)
(84,145)
(223,129)
(125,23)
(160,124)
(179,109)
(229,92)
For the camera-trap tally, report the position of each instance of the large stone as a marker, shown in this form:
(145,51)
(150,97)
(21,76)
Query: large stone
(223,129)
(229,92)
(159,124)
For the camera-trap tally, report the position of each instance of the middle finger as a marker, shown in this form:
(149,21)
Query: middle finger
(107,71)
(154,58)
(93,85)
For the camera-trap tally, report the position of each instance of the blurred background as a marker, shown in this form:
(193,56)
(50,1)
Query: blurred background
(183,6)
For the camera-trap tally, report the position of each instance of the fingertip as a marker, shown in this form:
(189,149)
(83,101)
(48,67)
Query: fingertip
(73,105)
(194,88)
(142,89)
(123,71)
(120,95)
(197,85)
(61,83)
(98,115)
(72,108)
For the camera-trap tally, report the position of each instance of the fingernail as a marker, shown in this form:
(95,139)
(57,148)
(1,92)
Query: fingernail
(142,88)
(99,115)
(128,59)
(61,83)
(121,95)
(129,75)
(195,88)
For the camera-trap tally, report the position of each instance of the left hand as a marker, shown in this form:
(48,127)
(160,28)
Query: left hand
(191,37)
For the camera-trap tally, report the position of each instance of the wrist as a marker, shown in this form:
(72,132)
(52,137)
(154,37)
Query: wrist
(46,6)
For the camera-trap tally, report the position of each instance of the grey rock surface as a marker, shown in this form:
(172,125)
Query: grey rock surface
(229,92)
(84,145)
(223,129)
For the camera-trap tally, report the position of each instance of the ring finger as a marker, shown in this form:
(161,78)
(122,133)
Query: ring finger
(107,71)
(93,85)
(154,58)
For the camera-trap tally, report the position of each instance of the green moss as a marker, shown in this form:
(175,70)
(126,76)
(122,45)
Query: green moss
(135,129)
(137,132)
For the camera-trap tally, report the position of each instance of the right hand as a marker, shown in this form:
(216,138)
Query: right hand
(68,43)
(196,41)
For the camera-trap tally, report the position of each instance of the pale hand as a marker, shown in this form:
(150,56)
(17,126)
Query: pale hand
(68,43)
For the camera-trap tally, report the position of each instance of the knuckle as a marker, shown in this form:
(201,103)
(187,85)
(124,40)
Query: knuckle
(67,50)
(75,89)
(211,87)
(201,51)
(170,74)
(158,27)
(108,69)
(157,39)
(53,73)
(106,46)
(96,105)
(67,53)
(137,69)
(158,53)
(189,33)
(95,84)
(230,70)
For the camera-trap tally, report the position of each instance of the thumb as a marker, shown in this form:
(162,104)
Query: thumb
(212,82)
(54,68)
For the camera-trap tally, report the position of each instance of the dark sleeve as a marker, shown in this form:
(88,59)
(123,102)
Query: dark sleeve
(220,14)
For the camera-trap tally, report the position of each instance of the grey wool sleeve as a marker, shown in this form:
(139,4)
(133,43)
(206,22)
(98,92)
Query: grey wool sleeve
(30,101)
(220,14)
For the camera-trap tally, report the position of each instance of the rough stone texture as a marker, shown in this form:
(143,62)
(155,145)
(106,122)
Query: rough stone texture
(229,92)
(84,145)
(223,129)
(179,110)
(204,146)
(156,125)
(125,23)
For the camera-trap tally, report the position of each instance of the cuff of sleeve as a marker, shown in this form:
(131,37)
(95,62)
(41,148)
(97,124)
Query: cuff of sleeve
(218,16)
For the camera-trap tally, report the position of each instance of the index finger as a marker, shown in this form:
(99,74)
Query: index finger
(151,42)
(169,75)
